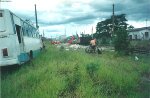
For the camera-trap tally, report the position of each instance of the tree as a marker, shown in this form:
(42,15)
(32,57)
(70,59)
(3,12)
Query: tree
(130,27)
(121,41)
(120,22)
(120,36)
(103,31)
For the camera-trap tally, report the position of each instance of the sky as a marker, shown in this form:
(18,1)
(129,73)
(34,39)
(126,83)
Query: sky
(59,17)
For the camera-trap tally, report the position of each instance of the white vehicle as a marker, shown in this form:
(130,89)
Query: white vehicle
(19,40)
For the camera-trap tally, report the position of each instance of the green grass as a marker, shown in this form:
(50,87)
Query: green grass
(75,74)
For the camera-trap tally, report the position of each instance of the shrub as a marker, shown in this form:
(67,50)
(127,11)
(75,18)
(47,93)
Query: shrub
(121,41)
(92,69)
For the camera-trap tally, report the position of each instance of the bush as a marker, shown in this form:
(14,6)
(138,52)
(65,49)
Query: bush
(121,42)
(92,69)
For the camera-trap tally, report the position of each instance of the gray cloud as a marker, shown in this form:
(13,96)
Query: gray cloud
(87,13)
(86,19)
(140,1)
(135,10)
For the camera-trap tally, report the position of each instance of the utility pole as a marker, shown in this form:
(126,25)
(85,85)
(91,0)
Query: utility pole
(113,21)
(92,32)
(43,34)
(146,23)
(65,31)
(36,17)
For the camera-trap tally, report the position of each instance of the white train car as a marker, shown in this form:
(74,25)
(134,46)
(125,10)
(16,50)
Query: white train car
(19,40)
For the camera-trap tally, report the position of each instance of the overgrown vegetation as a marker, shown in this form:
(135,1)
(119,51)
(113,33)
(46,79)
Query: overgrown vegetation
(72,84)
(75,74)
(121,42)
(118,38)
(140,44)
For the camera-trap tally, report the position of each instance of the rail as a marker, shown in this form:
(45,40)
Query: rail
(140,51)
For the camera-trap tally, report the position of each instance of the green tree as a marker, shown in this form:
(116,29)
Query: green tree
(120,22)
(130,27)
(103,31)
(120,36)
(121,41)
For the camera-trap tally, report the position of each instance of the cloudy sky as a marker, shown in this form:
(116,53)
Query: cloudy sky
(55,17)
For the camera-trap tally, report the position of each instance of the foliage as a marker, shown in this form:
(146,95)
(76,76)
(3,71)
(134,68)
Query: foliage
(104,28)
(55,71)
(85,35)
(140,44)
(130,27)
(120,22)
(121,41)
(92,69)
(120,35)
(72,83)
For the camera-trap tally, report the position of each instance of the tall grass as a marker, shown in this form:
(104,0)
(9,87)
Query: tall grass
(75,74)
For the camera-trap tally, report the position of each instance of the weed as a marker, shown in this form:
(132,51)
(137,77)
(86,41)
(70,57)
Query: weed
(92,69)
(105,88)
(72,83)
(75,74)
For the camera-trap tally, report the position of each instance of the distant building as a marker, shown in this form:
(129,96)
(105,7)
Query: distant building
(139,33)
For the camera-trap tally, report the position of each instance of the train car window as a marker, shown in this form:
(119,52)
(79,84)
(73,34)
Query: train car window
(1,14)
(18,32)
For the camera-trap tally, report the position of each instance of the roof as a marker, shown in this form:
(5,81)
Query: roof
(139,29)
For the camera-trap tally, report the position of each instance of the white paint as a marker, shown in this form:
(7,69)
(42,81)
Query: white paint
(140,34)
(9,40)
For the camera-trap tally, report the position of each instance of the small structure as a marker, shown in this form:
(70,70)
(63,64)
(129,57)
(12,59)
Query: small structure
(139,33)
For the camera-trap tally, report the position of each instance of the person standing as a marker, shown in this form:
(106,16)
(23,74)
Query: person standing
(93,44)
